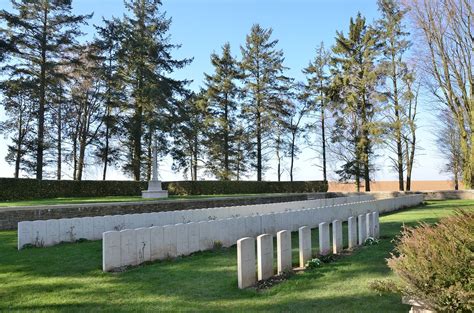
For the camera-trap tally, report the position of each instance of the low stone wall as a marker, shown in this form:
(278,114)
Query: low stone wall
(44,233)
(135,246)
(11,216)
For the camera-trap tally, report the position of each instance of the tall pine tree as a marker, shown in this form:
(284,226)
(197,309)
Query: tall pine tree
(317,91)
(146,63)
(264,80)
(222,114)
(355,82)
(44,33)
(395,44)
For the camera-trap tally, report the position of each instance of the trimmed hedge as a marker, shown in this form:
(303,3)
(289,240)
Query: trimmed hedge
(214,187)
(27,189)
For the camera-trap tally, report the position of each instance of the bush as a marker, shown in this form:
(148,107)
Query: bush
(313,263)
(435,263)
(371,241)
(214,187)
(27,189)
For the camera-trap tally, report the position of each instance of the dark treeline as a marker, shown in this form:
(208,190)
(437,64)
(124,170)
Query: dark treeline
(71,105)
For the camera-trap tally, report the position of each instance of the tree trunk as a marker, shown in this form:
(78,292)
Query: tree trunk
(323,139)
(137,142)
(106,148)
(226,139)
(82,152)
(42,98)
(195,154)
(18,148)
(149,157)
(292,154)
(259,147)
(59,151)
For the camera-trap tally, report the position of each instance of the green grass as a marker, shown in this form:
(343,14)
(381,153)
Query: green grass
(68,277)
(82,200)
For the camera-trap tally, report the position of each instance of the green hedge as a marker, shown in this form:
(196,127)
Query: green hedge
(27,189)
(212,187)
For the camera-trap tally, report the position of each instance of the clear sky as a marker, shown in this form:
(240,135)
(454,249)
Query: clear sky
(203,26)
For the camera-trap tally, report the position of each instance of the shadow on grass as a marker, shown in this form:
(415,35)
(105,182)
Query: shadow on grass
(68,277)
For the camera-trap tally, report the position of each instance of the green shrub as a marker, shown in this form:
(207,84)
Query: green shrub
(371,241)
(435,263)
(214,187)
(27,189)
(313,263)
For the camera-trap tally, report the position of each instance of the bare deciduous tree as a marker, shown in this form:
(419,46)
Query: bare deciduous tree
(446,33)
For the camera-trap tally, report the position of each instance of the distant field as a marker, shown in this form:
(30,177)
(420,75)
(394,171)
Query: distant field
(418,185)
(68,278)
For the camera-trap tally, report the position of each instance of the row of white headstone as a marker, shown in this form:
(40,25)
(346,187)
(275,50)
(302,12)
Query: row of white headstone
(133,247)
(248,274)
(45,233)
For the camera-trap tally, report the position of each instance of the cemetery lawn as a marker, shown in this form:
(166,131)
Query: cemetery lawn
(90,200)
(68,278)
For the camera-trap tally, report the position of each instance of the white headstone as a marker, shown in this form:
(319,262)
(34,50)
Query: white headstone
(369,223)
(324,239)
(25,235)
(246,262)
(264,256)
(182,241)
(67,232)
(352,231)
(52,233)
(375,216)
(193,237)
(88,228)
(170,240)
(157,243)
(304,239)
(111,250)
(118,222)
(39,233)
(128,244)
(284,257)
(336,236)
(143,244)
(99,226)
(78,225)
(362,229)
(205,240)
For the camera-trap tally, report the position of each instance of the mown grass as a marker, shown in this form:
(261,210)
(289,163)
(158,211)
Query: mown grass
(88,200)
(68,277)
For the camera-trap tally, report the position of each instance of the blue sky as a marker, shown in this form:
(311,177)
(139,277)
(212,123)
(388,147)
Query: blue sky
(203,26)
